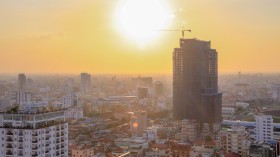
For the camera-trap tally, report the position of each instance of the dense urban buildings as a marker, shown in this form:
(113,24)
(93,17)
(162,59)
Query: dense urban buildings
(142,92)
(113,120)
(195,82)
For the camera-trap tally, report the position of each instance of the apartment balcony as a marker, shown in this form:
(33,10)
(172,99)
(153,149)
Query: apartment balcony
(48,155)
(62,139)
(62,152)
(20,147)
(20,134)
(57,147)
(57,135)
(20,154)
(57,153)
(9,139)
(9,146)
(34,141)
(10,133)
(9,153)
(47,138)
(20,140)
(62,133)
(34,134)
(34,148)
(35,154)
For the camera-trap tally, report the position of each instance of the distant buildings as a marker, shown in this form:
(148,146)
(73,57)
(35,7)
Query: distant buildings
(146,81)
(142,92)
(138,123)
(70,100)
(193,130)
(22,96)
(276,92)
(74,113)
(85,82)
(32,133)
(21,82)
(159,89)
(264,128)
(195,82)
(82,151)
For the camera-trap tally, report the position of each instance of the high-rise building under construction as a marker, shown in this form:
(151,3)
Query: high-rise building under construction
(195,82)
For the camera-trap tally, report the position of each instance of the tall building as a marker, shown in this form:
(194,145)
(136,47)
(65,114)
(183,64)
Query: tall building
(138,122)
(159,89)
(264,128)
(22,82)
(195,82)
(33,133)
(85,82)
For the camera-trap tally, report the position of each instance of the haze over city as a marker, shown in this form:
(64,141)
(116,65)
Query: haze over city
(92,35)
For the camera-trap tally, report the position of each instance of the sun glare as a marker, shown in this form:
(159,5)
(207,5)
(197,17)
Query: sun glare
(139,19)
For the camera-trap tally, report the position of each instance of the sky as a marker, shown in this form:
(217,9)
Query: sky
(70,36)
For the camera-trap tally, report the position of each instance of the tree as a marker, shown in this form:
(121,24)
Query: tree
(208,138)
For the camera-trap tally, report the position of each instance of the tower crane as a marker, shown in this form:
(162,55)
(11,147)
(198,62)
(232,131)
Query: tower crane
(178,30)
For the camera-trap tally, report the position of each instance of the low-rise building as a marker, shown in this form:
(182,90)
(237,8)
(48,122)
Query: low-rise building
(82,151)
(74,113)
(235,140)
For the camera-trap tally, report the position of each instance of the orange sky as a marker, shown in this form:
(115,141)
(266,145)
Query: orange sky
(70,36)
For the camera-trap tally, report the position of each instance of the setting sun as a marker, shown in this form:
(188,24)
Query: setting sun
(139,19)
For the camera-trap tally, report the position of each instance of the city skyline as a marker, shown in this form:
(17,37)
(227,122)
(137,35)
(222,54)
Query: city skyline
(72,37)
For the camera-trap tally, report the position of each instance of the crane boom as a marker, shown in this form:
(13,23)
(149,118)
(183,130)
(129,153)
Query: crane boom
(177,30)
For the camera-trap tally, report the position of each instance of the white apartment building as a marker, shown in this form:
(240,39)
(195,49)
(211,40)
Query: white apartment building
(227,112)
(74,113)
(235,140)
(264,128)
(150,133)
(30,133)
(22,96)
(70,100)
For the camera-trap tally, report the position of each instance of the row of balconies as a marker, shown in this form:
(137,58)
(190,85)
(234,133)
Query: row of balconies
(11,146)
